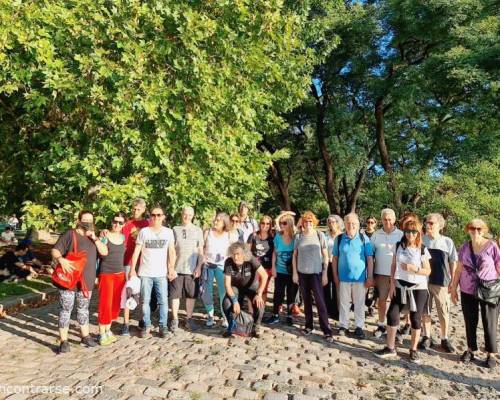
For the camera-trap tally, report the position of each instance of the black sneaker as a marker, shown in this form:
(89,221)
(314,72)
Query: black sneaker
(467,357)
(329,339)
(406,329)
(425,343)
(273,319)
(289,320)
(87,341)
(414,357)
(141,324)
(228,334)
(164,332)
(358,333)
(256,331)
(307,331)
(342,331)
(447,346)
(399,337)
(386,352)
(64,347)
(490,362)
(379,332)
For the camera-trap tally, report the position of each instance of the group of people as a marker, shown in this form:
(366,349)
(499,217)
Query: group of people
(409,272)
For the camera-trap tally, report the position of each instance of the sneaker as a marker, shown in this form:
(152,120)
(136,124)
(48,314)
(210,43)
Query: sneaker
(289,320)
(490,362)
(414,357)
(256,331)
(342,331)
(379,332)
(164,332)
(329,339)
(386,352)
(425,343)
(87,341)
(64,347)
(105,340)
(210,322)
(125,330)
(467,357)
(399,337)
(174,325)
(307,331)
(447,346)
(144,333)
(358,333)
(295,310)
(228,334)
(273,319)
(224,323)
(406,329)
(141,324)
(191,325)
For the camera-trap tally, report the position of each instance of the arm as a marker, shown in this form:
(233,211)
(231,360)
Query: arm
(261,272)
(171,257)
(295,274)
(454,283)
(335,270)
(231,295)
(66,265)
(369,266)
(392,287)
(273,264)
(324,275)
(135,258)
(102,249)
(453,269)
(199,265)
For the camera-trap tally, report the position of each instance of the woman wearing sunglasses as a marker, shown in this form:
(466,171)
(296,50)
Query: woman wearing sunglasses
(408,288)
(111,279)
(478,259)
(262,247)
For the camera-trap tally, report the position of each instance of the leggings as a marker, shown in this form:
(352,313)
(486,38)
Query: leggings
(282,283)
(396,306)
(489,316)
(110,293)
(66,302)
(218,274)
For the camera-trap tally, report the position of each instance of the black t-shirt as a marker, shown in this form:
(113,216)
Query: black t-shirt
(262,249)
(242,276)
(65,245)
(8,261)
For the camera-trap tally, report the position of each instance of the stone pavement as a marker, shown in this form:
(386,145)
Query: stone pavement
(282,365)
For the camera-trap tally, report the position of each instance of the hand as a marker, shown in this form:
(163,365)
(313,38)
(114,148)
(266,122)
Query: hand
(337,281)
(104,233)
(392,290)
(258,301)
(236,308)
(66,265)
(295,278)
(171,275)
(404,267)
(197,273)
(324,278)
(96,283)
(91,235)
(273,272)
(132,273)
(369,283)
(454,294)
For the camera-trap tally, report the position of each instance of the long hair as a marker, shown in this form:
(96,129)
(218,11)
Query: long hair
(290,225)
(412,225)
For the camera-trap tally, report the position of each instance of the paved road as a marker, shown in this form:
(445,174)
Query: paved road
(281,365)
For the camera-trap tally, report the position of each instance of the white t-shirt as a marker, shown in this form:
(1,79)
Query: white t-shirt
(414,256)
(248,227)
(9,237)
(384,246)
(154,251)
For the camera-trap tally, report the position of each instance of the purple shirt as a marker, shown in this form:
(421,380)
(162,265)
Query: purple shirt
(488,262)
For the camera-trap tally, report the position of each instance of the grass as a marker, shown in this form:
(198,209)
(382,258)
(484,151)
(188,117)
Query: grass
(24,287)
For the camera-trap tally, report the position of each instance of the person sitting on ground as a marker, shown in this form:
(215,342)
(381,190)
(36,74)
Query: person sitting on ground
(29,258)
(8,237)
(410,269)
(244,279)
(12,267)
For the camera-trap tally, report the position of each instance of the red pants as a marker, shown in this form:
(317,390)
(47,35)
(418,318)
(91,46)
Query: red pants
(110,292)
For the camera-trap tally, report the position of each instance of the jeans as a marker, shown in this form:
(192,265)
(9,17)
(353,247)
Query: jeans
(160,287)
(218,274)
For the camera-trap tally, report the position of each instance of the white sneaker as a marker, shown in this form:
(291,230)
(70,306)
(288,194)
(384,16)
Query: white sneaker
(210,322)
(224,323)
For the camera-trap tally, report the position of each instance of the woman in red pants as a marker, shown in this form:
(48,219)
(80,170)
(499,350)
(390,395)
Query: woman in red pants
(111,280)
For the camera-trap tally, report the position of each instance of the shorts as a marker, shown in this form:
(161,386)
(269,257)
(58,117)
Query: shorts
(185,286)
(383,284)
(439,296)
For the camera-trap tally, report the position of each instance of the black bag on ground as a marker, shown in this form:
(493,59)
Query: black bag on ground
(243,324)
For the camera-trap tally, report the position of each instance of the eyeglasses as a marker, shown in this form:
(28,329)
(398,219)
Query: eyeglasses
(118,222)
(157,215)
(411,231)
(475,228)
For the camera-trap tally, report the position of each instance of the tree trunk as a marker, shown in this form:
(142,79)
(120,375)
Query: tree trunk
(384,153)
(279,182)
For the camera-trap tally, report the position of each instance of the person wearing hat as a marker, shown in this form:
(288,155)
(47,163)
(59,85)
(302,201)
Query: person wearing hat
(247,225)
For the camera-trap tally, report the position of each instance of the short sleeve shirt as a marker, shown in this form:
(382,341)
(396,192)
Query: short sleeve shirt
(130,230)
(262,249)
(248,227)
(488,261)
(154,251)
(384,247)
(284,254)
(65,245)
(352,255)
(188,239)
(309,252)
(242,276)
(443,253)
(414,256)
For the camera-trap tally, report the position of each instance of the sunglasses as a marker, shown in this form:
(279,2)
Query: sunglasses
(265,223)
(475,228)
(370,222)
(157,215)
(118,222)
(411,231)
(283,223)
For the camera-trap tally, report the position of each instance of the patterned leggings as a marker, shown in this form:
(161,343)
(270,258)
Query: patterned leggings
(66,302)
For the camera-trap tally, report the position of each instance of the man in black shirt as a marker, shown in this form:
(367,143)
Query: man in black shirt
(12,266)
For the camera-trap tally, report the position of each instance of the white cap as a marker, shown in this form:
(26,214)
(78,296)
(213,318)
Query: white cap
(131,304)
(134,283)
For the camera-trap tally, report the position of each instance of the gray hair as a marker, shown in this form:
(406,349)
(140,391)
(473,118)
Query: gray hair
(188,208)
(247,255)
(388,211)
(139,202)
(439,217)
(351,215)
(338,220)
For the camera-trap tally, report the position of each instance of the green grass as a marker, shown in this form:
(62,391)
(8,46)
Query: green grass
(24,287)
